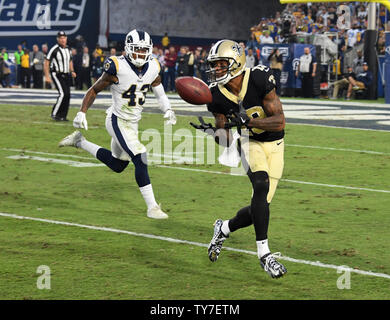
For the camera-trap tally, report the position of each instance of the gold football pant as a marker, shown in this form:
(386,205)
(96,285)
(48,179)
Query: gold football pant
(265,156)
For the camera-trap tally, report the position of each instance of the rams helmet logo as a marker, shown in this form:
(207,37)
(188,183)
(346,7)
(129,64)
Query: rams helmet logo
(107,66)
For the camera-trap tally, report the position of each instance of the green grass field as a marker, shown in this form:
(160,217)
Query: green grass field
(310,222)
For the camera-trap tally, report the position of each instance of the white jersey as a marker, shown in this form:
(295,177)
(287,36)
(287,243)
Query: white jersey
(129,93)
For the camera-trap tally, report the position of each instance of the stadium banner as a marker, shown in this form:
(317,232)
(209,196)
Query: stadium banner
(387,68)
(381,76)
(291,54)
(38,21)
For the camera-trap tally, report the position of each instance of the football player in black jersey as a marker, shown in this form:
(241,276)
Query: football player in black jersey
(245,98)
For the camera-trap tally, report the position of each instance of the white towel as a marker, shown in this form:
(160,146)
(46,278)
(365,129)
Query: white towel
(230,156)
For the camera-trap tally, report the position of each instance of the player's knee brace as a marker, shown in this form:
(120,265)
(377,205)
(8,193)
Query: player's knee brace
(260,183)
(141,170)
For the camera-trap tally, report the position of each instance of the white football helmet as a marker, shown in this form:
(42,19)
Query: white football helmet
(136,41)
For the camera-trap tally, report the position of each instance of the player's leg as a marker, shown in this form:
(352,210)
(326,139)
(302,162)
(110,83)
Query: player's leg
(76,139)
(265,160)
(222,230)
(275,159)
(125,136)
(60,98)
(65,102)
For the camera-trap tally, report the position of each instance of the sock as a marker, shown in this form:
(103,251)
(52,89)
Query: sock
(147,193)
(88,146)
(262,248)
(225,228)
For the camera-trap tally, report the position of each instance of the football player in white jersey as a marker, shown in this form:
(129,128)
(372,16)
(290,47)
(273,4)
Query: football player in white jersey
(129,76)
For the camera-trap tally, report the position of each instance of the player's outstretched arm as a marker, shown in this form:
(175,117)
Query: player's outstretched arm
(103,82)
(163,101)
(275,120)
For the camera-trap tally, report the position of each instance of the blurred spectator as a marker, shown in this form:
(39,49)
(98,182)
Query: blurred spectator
(79,43)
(170,71)
(362,12)
(307,67)
(165,41)
(36,63)
(358,62)
(4,54)
(77,59)
(25,72)
(266,38)
(343,83)
(45,50)
(251,59)
(96,65)
(252,42)
(85,69)
(112,52)
(99,51)
(352,35)
(5,70)
(161,60)
(185,62)
(202,65)
(362,81)
(18,53)
(276,64)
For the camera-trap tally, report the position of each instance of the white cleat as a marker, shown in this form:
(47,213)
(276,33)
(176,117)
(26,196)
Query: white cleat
(71,140)
(156,213)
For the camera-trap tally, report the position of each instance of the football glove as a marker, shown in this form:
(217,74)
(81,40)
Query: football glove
(205,127)
(80,121)
(240,118)
(170,115)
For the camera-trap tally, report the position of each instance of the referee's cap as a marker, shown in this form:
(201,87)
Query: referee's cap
(61,34)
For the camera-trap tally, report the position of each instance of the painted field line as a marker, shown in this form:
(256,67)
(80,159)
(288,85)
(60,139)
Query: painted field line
(337,127)
(337,149)
(185,169)
(198,244)
(71,163)
(285,180)
(207,136)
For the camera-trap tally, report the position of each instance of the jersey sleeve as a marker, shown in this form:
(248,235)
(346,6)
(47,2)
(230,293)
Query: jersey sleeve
(158,68)
(110,66)
(214,107)
(263,79)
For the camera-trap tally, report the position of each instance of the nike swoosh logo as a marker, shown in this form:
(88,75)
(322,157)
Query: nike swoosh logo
(279,143)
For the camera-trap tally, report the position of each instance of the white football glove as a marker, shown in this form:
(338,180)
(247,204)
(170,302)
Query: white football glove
(170,115)
(80,121)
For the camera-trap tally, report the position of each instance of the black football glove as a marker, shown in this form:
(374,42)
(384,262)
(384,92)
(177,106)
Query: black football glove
(240,119)
(205,127)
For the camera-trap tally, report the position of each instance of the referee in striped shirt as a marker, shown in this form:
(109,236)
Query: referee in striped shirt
(59,62)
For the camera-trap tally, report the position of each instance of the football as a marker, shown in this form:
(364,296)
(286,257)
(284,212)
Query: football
(193,90)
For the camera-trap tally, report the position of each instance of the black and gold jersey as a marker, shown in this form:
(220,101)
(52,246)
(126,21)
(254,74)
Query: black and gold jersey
(257,83)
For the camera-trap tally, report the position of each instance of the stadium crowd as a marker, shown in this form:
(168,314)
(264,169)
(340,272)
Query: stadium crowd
(297,23)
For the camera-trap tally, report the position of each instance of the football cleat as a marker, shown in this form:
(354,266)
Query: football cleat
(216,242)
(71,140)
(270,265)
(156,213)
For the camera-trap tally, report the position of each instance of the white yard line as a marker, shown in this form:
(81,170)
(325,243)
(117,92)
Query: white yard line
(285,180)
(193,243)
(202,136)
(86,164)
(71,163)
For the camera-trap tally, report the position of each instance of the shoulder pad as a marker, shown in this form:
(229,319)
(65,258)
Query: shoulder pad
(111,66)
